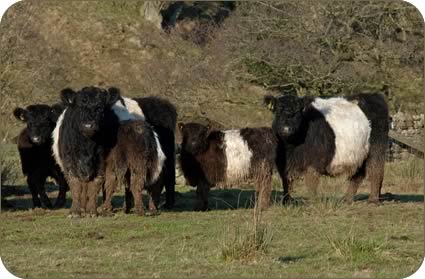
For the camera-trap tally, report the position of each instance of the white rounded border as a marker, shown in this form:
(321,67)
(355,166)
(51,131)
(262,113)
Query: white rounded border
(5,4)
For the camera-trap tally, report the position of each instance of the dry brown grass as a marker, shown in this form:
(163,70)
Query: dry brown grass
(248,241)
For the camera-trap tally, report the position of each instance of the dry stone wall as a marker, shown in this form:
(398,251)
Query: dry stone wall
(408,125)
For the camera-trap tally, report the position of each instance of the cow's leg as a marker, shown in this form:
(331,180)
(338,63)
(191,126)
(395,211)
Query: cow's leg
(76,188)
(170,182)
(375,172)
(108,190)
(311,178)
(202,197)
(136,187)
(354,184)
(286,184)
(83,197)
(154,198)
(103,194)
(38,181)
(32,184)
(63,188)
(93,189)
(128,199)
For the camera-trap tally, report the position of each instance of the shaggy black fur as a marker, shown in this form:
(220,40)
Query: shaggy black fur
(87,134)
(307,142)
(35,150)
(203,159)
(162,115)
(89,128)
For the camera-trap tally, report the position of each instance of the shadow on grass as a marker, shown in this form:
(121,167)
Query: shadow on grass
(20,199)
(404,198)
(290,259)
(225,199)
(219,199)
(20,190)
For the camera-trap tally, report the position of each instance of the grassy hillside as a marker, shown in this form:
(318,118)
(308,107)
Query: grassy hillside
(79,43)
(214,63)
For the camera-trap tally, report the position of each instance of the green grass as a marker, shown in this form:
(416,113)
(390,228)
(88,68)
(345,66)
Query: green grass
(317,238)
(314,237)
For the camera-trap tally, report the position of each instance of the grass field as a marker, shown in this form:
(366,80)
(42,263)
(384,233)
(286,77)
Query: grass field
(315,237)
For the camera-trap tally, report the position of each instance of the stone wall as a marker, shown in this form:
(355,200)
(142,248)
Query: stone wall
(410,126)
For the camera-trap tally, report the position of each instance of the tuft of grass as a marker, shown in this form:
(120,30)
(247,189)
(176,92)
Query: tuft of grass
(353,248)
(249,243)
(326,204)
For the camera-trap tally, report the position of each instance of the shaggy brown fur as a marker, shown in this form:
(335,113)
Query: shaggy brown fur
(133,161)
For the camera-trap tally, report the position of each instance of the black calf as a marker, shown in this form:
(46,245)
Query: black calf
(35,150)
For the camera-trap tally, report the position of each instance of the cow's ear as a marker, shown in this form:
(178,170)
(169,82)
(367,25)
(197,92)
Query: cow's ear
(56,111)
(305,103)
(180,125)
(68,96)
(112,96)
(270,102)
(20,114)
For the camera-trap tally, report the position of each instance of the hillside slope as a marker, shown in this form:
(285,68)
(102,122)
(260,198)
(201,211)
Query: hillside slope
(257,49)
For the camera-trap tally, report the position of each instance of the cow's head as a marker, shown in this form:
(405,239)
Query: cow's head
(195,137)
(40,121)
(89,106)
(288,114)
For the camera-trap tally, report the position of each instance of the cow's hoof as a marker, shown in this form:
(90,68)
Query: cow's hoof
(386,197)
(106,213)
(74,215)
(373,202)
(50,207)
(288,200)
(59,204)
(153,213)
(126,210)
(348,199)
(92,215)
(203,209)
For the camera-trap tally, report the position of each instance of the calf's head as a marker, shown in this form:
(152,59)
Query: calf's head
(195,137)
(88,107)
(40,121)
(288,114)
